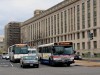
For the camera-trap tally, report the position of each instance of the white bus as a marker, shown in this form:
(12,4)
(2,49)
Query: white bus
(57,53)
(16,51)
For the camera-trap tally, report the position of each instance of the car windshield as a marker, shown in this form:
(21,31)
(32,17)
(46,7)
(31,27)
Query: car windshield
(63,50)
(29,57)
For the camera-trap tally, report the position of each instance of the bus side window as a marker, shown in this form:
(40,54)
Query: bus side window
(40,50)
(44,50)
(53,49)
(12,50)
(49,49)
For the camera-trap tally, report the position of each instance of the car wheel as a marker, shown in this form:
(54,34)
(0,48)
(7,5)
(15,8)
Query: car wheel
(37,66)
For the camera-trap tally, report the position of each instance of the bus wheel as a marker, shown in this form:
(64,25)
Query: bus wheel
(68,64)
(51,62)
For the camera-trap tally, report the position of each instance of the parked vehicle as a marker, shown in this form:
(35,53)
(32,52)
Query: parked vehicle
(77,57)
(3,56)
(29,61)
(7,56)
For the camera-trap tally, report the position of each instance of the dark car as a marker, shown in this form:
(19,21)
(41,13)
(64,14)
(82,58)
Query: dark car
(78,57)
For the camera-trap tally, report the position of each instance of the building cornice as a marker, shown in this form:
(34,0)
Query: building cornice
(50,10)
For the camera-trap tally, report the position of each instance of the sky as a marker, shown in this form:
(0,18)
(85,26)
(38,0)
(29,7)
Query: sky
(21,10)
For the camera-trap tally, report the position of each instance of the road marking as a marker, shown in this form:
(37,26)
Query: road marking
(11,64)
(3,65)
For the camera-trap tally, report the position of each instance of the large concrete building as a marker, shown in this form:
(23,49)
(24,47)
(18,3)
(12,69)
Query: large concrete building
(1,43)
(70,20)
(12,34)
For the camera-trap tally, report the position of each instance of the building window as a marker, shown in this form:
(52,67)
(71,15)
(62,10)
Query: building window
(78,46)
(83,45)
(94,32)
(71,37)
(51,25)
(78,35)
(95,12)
(71,19)
(74,18)
(61,22)
(61,38)
(83,34)
(74,36)
(88,32)
(95,44)
(83,15)
(54,24)
(78,17)
(88,13)
(74,45)
(58,39)
(89,45)
(58,23)
(65,20)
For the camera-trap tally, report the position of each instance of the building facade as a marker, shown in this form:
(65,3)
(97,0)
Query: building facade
(12,34)
(1,43)
(70,20)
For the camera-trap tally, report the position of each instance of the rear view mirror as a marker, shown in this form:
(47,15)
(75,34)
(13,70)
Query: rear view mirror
(53,50)
(74,51)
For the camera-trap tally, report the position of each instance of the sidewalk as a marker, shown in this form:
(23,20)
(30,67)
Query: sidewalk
(87,63)
(91,58)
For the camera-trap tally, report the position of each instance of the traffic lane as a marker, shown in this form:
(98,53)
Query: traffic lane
(5,63)
(47,70)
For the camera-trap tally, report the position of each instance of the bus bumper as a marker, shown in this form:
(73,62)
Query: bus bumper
(63,62)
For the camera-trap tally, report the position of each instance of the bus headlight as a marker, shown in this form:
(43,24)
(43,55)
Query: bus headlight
(72,58)
(56,58)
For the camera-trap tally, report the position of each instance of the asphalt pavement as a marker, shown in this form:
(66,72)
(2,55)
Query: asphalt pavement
(8,68)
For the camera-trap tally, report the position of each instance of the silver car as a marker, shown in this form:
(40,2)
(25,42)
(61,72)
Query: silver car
(29,61)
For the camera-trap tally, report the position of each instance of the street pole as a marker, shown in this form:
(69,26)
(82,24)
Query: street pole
(90,37)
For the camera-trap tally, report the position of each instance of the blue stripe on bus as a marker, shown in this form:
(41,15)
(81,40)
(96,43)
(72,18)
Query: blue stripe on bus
(45,61)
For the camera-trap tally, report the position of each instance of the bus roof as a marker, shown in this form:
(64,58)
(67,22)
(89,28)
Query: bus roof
(50,44)
(20,44)
(64,43)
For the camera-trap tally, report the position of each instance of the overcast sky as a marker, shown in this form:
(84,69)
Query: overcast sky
(21,10)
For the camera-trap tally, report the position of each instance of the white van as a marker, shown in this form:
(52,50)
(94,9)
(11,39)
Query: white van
(32,51)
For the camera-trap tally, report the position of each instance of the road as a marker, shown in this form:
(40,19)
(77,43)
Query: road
(7,68)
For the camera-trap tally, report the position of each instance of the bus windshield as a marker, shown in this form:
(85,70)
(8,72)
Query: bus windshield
(63,50)
(21,50)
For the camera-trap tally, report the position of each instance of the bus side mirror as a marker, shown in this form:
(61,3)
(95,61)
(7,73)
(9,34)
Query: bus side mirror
(53,50)
(74,51)
(12,50)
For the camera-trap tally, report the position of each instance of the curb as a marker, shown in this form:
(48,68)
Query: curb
(87,63)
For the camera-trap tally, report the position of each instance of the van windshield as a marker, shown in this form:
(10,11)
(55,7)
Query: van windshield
(32,52)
